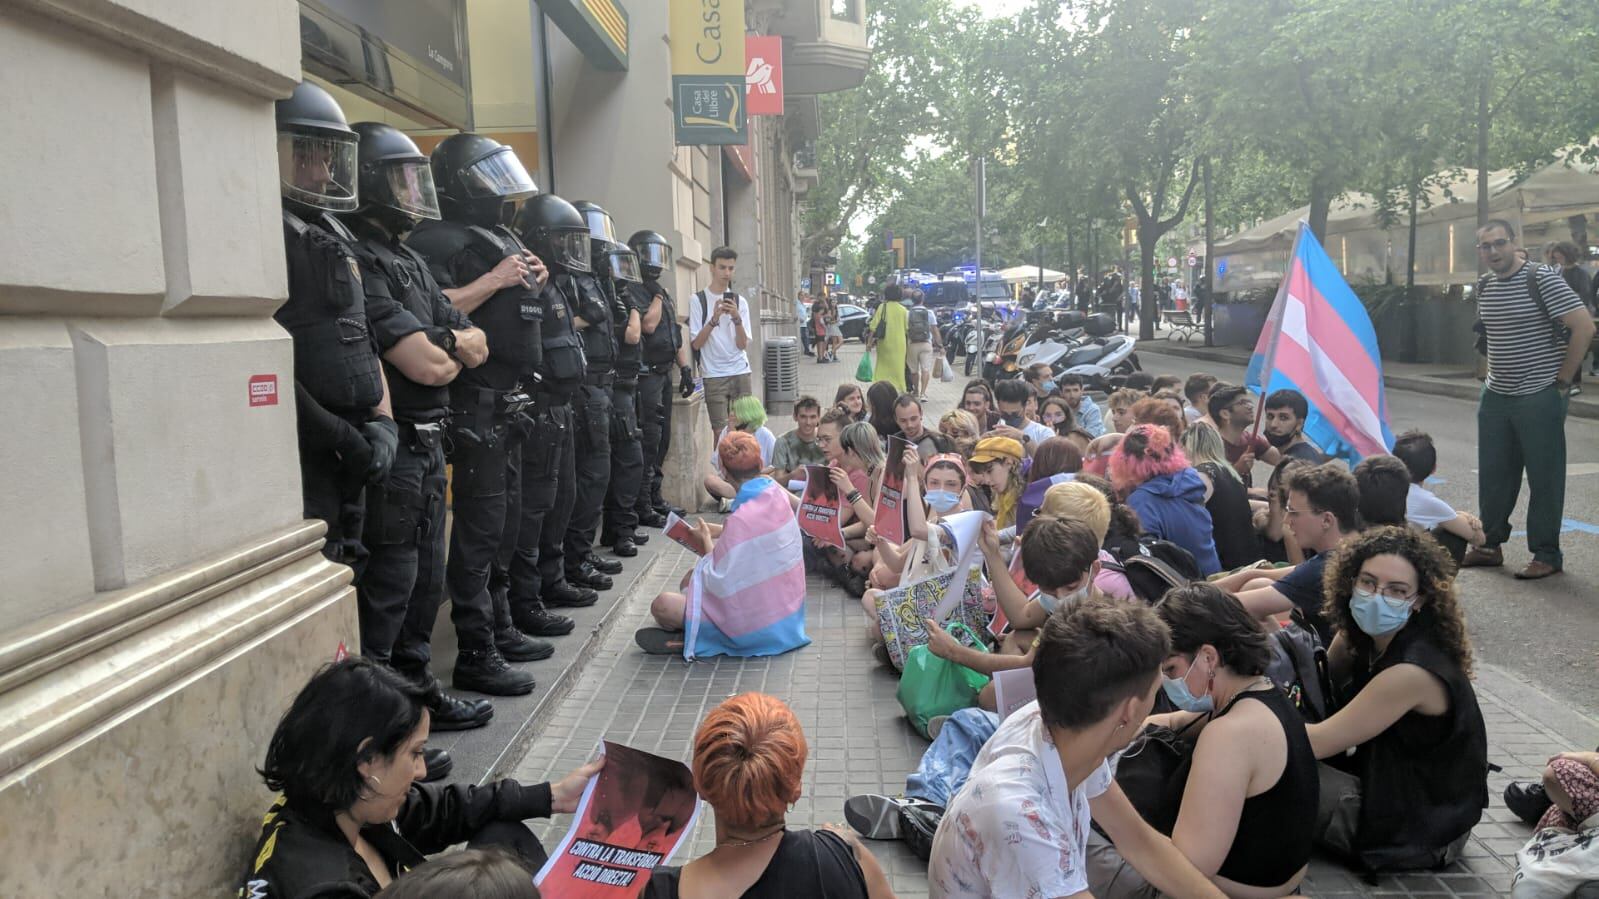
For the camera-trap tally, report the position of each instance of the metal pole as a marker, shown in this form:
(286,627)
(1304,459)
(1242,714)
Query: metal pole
(1210,257)
(981,170)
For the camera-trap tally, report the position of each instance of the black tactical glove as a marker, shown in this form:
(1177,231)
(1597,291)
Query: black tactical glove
(353,450)
(686,376)
(383,435)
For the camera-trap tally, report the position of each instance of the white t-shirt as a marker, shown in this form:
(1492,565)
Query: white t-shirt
(1037,432)
(1425,510)
(1016,828)
(720,357)
(763,436)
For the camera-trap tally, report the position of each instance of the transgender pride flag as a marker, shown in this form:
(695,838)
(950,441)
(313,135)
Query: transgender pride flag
(1319,341)
(747,598)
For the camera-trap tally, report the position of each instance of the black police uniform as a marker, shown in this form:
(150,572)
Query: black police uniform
(627,455)
(336,377)
(484,402)
(550,557)
(659,349)
(591,428)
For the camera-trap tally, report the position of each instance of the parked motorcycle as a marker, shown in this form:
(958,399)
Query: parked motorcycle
(1102,359)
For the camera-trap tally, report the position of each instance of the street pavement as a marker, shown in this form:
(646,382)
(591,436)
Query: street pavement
(860,742)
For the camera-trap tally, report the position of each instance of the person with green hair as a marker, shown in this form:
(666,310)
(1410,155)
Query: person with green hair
(745,414)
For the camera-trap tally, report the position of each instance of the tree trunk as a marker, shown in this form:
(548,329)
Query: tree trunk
(1320,204)
(1484,123)
(1209,281)
(1410,251)
(1148,307)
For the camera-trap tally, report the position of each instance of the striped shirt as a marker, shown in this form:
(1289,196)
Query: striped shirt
(1523,357)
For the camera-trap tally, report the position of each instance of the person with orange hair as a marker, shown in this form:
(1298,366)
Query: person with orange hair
(1159,411)
(749,757)
(1150,470)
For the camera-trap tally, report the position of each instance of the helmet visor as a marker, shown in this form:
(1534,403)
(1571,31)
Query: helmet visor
(318,169)
(600,226)
(655,255)
(499,174)
(411,188)
(624,266)
(572,250)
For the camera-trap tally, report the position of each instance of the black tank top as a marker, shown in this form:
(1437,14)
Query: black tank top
(1232,523)
(811,863)
(1275,828)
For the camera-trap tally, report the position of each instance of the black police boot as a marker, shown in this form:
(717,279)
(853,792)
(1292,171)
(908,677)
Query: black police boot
(625,547)
(533,618)
(486,671)
(652,520)
(638,538)
(585,576)
(567,596)
(603,566)
(438,762)
(516,646)
(447,712)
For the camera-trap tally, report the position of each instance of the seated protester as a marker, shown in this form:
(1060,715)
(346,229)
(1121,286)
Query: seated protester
(939,491)
(1163,383)
(1012,397)
(996,464)
(1096,459)
(747,415)
(1056,461)
(978,399)
(1041,378)
(1417,782)
(1383,482)
(960,429)
(1120,407)
(468,874)
(1233,410)
(1078,500)
(908,416)
(1019,825)
(1197,391)
(1084,412)
(1080,439)
(852,400)
(1423,508)
(1277,543)
(1244,818)
(736,613)
(354,814)
(1284,426)
(1175,399)
(749,757)
(1055,414)
(1150,470)
(1141,381)
(798,448)
(1226,498)
(880,399)
(1155,411)
(1322,510)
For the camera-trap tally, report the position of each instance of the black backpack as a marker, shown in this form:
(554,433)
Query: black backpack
(1299,668)
(1153,566)
(919,327)
(1559,334)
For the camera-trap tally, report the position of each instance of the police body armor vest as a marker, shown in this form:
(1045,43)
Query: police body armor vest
(660,348)
(414,288)
(564,363)
(511,319)
(598,343)
(629,357)
(335,359)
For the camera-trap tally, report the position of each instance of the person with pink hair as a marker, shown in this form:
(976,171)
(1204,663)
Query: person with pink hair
(1150,470)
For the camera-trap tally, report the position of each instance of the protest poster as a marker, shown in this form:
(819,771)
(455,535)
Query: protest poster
(1013,688)
(821,509)
(891,524)
(682,533)
(634,815)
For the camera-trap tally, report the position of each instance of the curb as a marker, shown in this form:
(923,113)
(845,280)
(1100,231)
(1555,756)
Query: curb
(1527,702)
(1580,406)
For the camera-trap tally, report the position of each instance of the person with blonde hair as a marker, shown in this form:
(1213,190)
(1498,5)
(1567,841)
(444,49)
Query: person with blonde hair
(1074,501)
(1121,405)
(749,761)
(961,428)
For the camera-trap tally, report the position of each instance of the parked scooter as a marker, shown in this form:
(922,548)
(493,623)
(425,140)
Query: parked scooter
(1100,358)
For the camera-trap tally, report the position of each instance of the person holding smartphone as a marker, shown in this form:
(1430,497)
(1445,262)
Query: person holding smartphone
(718,319)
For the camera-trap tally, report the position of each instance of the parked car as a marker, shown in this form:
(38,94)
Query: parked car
(852,321)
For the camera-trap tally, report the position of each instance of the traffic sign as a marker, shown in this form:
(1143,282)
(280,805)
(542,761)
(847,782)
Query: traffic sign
(1193,260)
(1172,262)
(1221,267)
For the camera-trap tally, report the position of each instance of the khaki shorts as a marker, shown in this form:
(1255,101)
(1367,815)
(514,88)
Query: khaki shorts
(919,357)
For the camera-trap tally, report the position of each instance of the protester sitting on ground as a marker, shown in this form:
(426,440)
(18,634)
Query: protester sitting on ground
(1080,439)
(1096,459)
(1417,782)
(860,462)
(1012,397)
(1277,543)
(1455,530)
(1155,411)
(1233,410)
(1323,509)
(880,399)
(1164,382)
(749,416)
(1084,412)
(1055,414)
(1124,524)
(912,427)
(852,399)
(960,428)
(1019,826)
(978,399)
(798,448)
(940,491)
(996,465)
(1284,426)
(1383,482)
(1150,470)
(749,758)
(1244,817)
(1087,503)
(1226,499)
(1041,378)
(354,814)
(1055,462)
(1197,391)
(1141,381)
(1176,401)
(468,874)
(1120,405)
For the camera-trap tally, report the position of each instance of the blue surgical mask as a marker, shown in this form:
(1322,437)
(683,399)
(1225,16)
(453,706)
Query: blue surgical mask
(1050,602)
(1378,615)
(1050,385)
(1182,697)
(942,500)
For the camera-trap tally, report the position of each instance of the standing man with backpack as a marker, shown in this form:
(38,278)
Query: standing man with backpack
(922,342)
(718,320)
(1535,332)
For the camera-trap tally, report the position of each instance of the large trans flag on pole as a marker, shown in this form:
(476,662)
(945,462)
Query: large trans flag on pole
(1319,341)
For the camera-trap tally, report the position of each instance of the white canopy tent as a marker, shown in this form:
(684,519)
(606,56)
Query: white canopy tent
(1028,274)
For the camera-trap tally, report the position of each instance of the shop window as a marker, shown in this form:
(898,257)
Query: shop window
(846,10)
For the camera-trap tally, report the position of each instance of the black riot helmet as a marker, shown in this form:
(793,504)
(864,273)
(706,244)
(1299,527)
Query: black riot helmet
(602,231)
(654,253)
(555,231)
(316,151)
(475,176)
(620,263)
(396,179)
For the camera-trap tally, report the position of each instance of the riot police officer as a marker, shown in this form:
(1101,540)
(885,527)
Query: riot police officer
(663,347)
(424,343)
(617,267)
(347,437)
(595,319)
(486,273)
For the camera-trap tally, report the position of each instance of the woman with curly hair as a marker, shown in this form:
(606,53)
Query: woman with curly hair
(961,429)
(1150,470)
(1417,782)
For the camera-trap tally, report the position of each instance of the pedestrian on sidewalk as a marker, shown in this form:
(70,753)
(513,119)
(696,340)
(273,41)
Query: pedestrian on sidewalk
(885,333)
(1535,342)
(718,320)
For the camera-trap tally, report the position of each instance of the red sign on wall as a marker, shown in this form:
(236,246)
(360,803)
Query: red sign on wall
(263,390)
(763,75)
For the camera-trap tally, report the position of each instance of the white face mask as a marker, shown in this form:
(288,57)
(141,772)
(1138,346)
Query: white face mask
(1052,602)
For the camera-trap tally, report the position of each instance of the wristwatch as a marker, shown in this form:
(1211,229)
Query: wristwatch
(444,339)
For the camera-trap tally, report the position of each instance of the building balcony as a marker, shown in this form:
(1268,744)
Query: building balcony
(824,46)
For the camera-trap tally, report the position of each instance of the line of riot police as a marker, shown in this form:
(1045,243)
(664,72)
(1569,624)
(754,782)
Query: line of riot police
(443,310)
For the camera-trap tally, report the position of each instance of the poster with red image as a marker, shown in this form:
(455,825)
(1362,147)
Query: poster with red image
(890,513)
(822,507)
(682,533)
(634,815)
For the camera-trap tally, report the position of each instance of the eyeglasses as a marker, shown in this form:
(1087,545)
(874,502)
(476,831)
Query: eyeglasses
(1395,590)
(1290,511)
(1499,244)
(823,439)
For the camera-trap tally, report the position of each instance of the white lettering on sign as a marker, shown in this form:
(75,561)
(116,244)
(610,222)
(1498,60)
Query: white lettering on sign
(263,390)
